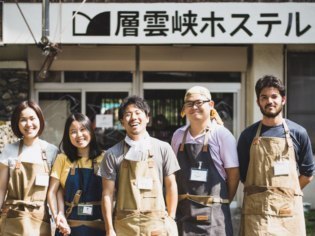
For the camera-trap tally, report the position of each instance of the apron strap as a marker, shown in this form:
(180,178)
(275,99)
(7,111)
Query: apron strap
(122,214)
(184,140)
(73,166)
(95,203)
(249,190)
(258,131)
(44,156)
(286,130)
(203,199)
(74,202)
(205,141)
(287,134)
(18,162)
(24,203)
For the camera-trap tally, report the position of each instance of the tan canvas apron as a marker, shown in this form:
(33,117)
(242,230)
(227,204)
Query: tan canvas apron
(25,211)
(141,211)
(272,197)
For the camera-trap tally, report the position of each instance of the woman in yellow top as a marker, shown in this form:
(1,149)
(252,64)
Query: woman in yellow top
(75,170)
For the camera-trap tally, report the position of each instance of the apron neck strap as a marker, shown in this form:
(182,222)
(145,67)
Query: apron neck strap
(43,154)
(258,130)
(205,141)
(18,162)
(73,166)
(287,133)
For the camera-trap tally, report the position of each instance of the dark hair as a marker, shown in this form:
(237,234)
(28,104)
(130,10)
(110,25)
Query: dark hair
(135,100)
(17,113)
(269,81)
(68,148)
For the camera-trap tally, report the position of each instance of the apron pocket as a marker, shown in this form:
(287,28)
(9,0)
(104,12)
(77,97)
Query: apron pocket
(268,202)
(153,225)
(191,228)
(127,225)
(25,225)
(195,212)
(139,223)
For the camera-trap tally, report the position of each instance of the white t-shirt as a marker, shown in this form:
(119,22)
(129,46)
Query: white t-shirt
(222,146)
(29,154)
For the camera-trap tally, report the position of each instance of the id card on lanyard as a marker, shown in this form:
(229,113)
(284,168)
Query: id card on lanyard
(198,174)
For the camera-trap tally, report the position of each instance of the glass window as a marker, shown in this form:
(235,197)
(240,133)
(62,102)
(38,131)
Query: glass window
(102,108)
(301,87)
(56,109)
(166,106)
(219,77)
(165,111)
(97,76)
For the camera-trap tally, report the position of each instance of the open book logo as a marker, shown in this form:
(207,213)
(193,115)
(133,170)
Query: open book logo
(99,25)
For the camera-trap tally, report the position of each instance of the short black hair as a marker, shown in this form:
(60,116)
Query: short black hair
(135,100)
(268,81)
(16,117)
(68,148)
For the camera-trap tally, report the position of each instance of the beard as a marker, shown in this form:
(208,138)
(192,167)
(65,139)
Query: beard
(271,114)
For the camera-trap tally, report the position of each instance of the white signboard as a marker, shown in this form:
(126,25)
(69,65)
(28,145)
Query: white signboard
(164,23)
(104,121)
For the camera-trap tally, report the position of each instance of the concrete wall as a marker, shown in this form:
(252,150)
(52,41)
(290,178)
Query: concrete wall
(264,59)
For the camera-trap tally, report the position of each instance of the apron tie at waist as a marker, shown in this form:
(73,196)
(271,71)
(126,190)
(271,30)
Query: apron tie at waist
(24,203)
(205,200)
(96,203)
(74,202)
(249,190)
(11,213)
(126,213)
(98,224)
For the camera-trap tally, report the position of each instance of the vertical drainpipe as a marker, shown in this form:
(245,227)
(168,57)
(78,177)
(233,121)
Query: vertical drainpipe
(45,19)
(137,83)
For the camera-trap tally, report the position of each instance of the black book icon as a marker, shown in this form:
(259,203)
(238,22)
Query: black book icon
(99,25)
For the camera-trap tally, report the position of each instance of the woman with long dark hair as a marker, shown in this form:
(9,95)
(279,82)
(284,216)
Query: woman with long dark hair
(79,210)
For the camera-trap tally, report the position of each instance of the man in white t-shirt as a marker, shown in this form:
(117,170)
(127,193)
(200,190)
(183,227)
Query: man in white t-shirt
(209,174)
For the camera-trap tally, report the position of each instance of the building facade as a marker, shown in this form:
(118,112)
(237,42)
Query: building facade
(86,57)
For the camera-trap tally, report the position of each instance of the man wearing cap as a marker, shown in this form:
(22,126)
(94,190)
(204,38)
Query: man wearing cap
(276,163)
(209,174)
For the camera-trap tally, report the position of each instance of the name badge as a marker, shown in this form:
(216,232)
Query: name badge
(198,175)
(42,180)
(84,209)
(145,183)
(281,168)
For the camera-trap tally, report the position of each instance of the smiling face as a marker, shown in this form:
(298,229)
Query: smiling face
(29,124)
(270,102)
(197,108)
(134,121)
(80,137)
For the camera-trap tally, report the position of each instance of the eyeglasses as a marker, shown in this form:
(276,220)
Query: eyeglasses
(197,103)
